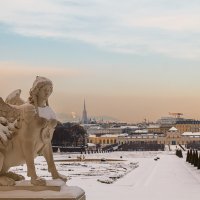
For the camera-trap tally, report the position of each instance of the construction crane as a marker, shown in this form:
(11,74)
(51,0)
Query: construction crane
(177,115)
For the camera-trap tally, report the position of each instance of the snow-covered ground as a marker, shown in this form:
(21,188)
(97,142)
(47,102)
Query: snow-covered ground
(134,175)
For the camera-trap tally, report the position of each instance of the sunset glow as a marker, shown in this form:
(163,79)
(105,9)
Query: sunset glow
(130,60)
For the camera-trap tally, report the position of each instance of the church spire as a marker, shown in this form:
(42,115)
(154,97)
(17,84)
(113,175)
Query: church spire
(84,116)
(84,105)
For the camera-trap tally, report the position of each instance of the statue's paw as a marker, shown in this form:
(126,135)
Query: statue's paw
(16,177)
(20,177)
(38,181)
(62,177)
(6,181)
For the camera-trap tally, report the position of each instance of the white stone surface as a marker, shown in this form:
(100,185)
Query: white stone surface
(46,112)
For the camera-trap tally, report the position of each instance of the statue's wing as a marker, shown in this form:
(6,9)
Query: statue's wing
(9,112)
(3,136)
(14,98)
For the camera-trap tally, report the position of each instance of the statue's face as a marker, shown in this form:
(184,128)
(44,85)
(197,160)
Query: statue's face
(45,92)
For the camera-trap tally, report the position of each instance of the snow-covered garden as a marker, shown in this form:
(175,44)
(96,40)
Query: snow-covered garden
(127,175)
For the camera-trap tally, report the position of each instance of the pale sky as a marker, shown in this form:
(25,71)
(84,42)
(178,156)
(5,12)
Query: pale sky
(130,59)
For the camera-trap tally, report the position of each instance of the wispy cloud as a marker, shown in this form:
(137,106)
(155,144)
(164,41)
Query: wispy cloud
(166,27)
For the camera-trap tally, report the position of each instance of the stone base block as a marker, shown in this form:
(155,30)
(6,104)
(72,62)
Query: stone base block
(53,191)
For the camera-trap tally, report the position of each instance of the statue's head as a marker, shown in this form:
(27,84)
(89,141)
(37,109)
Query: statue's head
(41,89)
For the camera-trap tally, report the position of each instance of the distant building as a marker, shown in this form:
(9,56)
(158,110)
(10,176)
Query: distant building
(188,125)
(182,124)
(104,139)
(168,120)
(123,139)
(129,129)
(172,137)
(97,130)
(159,128)
(84,116)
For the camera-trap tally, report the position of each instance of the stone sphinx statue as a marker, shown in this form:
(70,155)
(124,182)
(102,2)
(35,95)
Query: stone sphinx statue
(26,130)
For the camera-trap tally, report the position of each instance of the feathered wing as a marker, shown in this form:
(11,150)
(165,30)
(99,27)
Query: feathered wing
(14,98)
(9,112)
(9,116)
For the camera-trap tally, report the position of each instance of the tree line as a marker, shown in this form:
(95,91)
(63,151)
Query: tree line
(69,135)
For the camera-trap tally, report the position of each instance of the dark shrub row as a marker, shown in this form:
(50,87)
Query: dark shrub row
(141,146)
(179,153)
(193,145)
(193,157)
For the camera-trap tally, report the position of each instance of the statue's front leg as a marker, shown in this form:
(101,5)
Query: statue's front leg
(48,154)
(1,162)
(4,180)
(28,150)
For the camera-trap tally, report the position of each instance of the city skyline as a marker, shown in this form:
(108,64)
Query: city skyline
(130,60)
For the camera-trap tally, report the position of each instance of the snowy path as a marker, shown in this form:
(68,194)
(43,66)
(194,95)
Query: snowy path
(168,178)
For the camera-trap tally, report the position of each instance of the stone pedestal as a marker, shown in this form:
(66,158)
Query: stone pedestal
(53,191)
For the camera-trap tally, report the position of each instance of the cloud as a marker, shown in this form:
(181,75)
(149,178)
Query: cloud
(172,22)
(141,27)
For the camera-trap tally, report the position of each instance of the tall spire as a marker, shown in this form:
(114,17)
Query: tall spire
(84,116)
(84,105)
